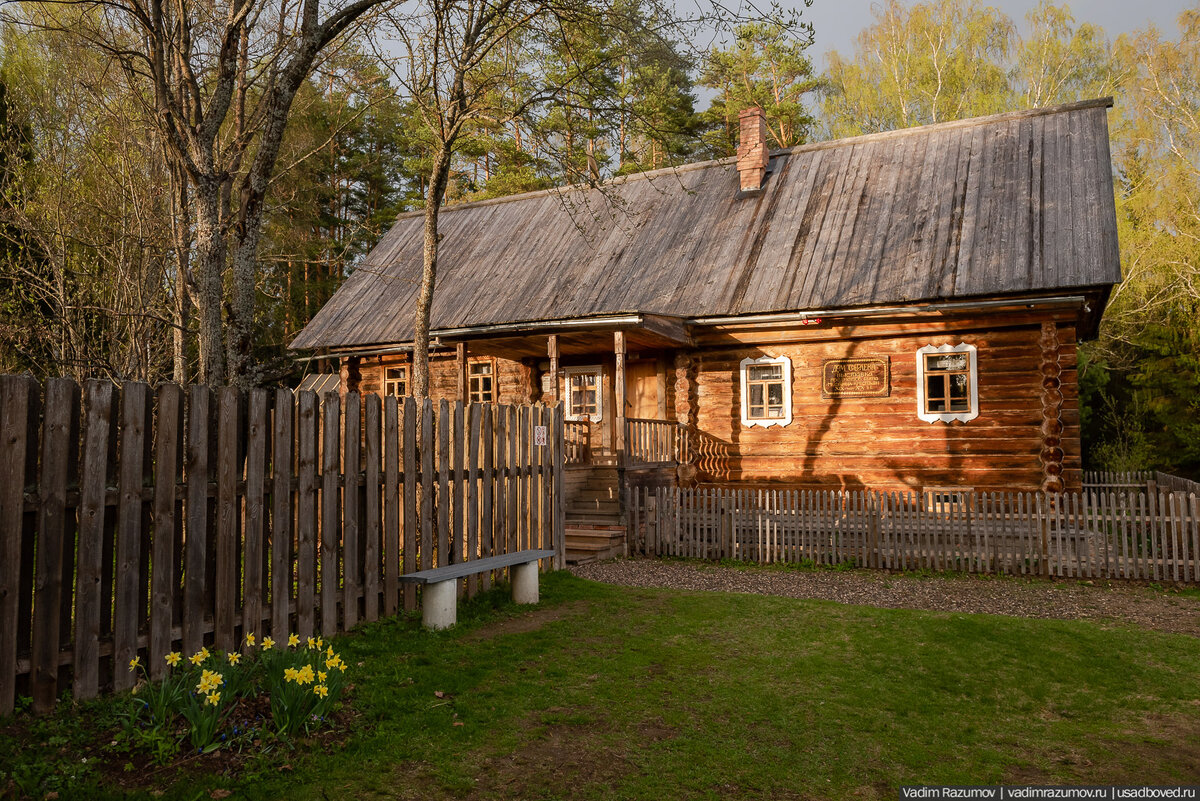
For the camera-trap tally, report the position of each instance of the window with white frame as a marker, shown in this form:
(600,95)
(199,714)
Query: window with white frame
(481,378)
(584,396)
(947,383)
(766,391)
(395,381)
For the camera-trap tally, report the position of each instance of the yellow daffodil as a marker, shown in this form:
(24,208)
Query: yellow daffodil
(332,662)
(234,658)
(213,698)
(305,675)
(173,658)
(330,652)
(342,666)
(268,643)
(289,674)
(321,690)
(209,680)
(135,663)
(250,638)
(293,640)
(320,644)
(312,642)
(321,676)
(199,656)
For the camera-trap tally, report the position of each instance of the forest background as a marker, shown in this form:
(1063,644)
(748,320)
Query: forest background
(98,229)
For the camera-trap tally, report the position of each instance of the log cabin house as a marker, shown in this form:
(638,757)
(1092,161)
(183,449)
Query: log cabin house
(895,311)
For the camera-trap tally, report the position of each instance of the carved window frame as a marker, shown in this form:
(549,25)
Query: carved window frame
(475,381)
(973,381)
(766,422)
(591,369)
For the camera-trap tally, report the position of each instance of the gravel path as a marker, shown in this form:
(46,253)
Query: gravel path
(1164,610)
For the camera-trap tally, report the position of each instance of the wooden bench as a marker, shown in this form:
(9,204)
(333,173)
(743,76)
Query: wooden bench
(439,601)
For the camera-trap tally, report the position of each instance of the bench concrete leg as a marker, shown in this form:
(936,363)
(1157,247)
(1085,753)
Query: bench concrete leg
(439,604)
(525,583)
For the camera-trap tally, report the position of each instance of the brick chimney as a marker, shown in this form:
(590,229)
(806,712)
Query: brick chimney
(752,154)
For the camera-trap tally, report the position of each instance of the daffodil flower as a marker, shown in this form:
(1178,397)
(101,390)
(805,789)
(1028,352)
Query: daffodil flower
(250,638)
(213,698)
(234,658)
(135,663)
(293,640)
(268,643)
(321,690)
(173,658)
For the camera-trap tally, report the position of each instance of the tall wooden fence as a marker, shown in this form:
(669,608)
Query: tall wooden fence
(1127,535)
(138,521)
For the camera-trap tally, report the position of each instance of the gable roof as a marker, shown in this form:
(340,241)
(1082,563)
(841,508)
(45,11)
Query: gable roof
(1013,204)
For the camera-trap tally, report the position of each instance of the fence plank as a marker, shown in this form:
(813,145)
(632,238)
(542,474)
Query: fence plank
(196,539)
(98,461)
(408,540)
(330,460)
(373,531)
(135,463)
(19,415)
(443,498)
(458,548)
(502,543)
(428,483)
(351,475)
(471,476)
(308,423)
(487,477)
(60,430)
(168,444)
(257,440)
(283,430)
(392,514)
(228,472)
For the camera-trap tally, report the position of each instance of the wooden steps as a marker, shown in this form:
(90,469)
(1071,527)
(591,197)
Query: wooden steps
(593,525)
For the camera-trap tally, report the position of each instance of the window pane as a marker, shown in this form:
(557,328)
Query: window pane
(765,372)
(756,394)
(959,394)
(775,394)
(945,362)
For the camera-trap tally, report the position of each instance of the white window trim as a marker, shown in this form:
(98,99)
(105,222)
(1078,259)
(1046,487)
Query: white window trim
(947,417)
(786,420)
(596,369)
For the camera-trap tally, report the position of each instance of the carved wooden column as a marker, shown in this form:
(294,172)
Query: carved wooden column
(1052,404)
(464,393)
(619,394)
(351,375)
(552,352)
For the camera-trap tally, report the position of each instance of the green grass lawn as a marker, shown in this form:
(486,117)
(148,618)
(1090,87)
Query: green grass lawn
(606,692)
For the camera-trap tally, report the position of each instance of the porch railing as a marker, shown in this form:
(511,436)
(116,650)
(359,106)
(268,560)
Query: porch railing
(577,442)
(655,441)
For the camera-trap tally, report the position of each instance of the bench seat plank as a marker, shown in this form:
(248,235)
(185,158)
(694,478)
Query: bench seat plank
(475,566)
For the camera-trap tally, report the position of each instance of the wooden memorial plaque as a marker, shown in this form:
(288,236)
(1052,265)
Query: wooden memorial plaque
(856,378)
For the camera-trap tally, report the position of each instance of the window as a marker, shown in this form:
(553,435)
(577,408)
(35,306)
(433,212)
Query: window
(947,383)
(767,391)
(395,381)
(481,381)
(947,500)
(583,394)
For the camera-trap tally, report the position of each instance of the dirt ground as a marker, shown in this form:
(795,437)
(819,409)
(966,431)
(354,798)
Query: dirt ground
(1153,607)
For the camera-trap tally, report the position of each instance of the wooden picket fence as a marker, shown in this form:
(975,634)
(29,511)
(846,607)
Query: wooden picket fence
(1153,481)
(1126,535)
(138,521)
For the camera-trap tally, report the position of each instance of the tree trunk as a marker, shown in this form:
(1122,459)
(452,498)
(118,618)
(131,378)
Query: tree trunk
(440,175)
(209,270)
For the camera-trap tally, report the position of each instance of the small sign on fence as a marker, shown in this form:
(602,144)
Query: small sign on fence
(539,435)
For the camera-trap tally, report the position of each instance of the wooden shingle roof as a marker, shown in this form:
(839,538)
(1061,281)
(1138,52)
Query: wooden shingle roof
(1018,203)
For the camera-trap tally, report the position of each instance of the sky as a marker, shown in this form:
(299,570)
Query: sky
(838,22)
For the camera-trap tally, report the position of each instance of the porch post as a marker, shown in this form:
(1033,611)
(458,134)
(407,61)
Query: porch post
(552,351)
(619,395)
(461,357)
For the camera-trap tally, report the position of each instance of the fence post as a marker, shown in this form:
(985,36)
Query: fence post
(1043,516)
(19,412)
